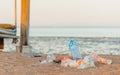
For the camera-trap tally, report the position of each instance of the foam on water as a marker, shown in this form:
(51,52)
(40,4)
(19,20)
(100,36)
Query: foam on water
(60,45)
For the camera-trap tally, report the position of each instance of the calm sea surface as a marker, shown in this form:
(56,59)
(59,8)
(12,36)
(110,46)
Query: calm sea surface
(74,31)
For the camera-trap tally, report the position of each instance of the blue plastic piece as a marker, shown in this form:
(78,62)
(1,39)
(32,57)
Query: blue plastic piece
(73,46)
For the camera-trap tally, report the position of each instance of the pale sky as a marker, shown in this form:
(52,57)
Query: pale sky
(66,12)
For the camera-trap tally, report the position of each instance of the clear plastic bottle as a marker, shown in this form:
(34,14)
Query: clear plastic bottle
(73,46)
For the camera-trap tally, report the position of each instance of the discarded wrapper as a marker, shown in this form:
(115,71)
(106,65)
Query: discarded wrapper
(64,58)
(69,63)
(104,61)
(101,60)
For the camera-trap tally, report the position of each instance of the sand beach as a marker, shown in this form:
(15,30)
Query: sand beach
(18,64)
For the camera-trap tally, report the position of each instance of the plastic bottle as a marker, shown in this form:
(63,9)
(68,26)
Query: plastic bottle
(73,46)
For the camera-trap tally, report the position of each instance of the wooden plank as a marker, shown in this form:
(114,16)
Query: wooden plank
(25,6)
(7,26)
(1,43)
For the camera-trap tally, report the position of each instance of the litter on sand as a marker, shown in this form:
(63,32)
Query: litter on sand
(87,61)
(50,58)
(76,60)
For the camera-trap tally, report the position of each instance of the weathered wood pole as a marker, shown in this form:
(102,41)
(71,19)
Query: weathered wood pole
(1,43)
(25,11)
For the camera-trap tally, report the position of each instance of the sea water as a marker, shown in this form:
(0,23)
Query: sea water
(56,40)
(59,45)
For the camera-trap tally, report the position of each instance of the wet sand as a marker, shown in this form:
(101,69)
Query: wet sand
(17,64)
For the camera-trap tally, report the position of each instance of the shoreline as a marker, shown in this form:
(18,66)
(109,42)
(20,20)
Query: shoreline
(60,45)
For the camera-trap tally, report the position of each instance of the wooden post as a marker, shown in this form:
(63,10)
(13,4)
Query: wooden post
(25,6)
(1,43)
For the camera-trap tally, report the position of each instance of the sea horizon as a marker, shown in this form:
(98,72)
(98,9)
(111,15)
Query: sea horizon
(74,31)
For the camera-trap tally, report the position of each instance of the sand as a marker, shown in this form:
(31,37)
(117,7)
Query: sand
(17,64)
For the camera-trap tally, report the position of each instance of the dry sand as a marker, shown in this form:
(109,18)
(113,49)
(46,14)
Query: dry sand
(16,64)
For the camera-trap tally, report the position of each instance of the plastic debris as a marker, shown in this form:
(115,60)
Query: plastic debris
(80,62)
(73,46)
(69,63)
(44,62)
(50,58)
(100,59)
(77,61)
(64,58)
(88,61)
